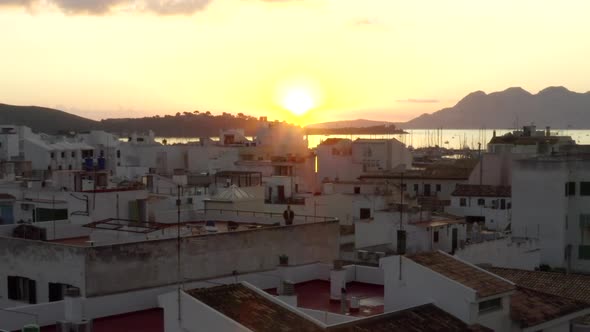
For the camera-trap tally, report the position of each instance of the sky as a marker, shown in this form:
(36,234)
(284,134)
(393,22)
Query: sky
(328,59)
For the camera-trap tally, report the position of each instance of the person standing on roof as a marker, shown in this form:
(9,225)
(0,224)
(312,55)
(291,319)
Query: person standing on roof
(288,215)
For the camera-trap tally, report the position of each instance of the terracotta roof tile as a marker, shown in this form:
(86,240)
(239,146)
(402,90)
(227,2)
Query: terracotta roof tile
(473,190)
(574,286)
(485,284)
(252,310)
(425,318)
(530,307)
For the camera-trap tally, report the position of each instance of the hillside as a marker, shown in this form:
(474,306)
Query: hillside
(554,106)
(45,120)
(359,123)
(187,124)
(183,125)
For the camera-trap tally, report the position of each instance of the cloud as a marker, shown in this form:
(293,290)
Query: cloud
(101,7)
(418,101)
(15,3)
(86,6)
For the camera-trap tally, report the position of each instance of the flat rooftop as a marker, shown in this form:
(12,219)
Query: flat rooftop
(315,294)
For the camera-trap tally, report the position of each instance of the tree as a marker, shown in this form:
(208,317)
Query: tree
(177,113)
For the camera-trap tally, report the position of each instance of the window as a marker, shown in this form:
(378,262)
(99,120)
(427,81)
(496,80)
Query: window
(438,188)
(494,204)
(365,213)
(22,289)
(44,214)
(490,305)
(73,154)
(481,202)
(463,201)
(357,190)
(57,291)
(435,236)
(118,153)
(570,189)
(63,154)
(584,188)
(52,155)
(584,247)
(416,187)
(502,204)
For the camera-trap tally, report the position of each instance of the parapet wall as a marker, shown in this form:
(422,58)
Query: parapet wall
(124,267)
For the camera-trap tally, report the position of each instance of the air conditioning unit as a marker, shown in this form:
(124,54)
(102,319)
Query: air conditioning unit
(363,255)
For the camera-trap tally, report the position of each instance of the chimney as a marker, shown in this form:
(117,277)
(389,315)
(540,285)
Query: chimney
(337,281)
(74,305)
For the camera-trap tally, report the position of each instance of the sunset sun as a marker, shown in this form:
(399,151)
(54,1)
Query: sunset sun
(298,101)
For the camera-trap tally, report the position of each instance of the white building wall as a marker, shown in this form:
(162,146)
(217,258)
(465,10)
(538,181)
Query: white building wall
(495,219)
(503,253)
(418,286)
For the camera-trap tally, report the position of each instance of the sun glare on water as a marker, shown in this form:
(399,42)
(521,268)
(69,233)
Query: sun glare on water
(298,101)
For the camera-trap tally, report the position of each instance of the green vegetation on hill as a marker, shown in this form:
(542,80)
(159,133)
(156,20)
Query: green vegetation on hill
(187,124)
(44,120)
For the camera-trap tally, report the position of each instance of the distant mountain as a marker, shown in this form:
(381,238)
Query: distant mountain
(359,123)
(46,120)
(554,106)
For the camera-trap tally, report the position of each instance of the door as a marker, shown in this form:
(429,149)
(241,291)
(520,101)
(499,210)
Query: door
(427,190)
(454,240)
(6,215)
(281,192)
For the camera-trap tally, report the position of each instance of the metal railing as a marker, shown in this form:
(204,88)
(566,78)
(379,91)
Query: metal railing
(279,215)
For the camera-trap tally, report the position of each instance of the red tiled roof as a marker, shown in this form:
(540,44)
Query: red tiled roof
(425,318)
(573,286)
(252,310)
(151,320)
(474,190)
(6,196)
(485,284)
(530,307)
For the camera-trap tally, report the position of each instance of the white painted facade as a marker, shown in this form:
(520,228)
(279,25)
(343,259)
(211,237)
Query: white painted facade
(497,214)
(542,210)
